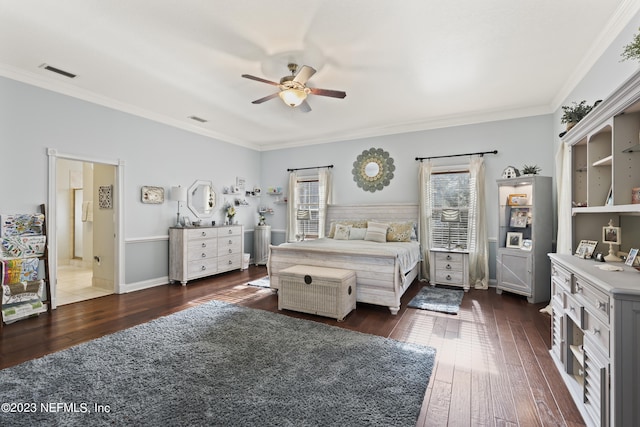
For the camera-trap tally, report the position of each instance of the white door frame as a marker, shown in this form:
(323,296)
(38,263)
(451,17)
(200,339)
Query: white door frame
(51,219)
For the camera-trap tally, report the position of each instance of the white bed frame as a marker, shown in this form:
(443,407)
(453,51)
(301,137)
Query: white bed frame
(378,278)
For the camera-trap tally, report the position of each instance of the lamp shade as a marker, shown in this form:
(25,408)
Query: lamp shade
(293,97)
(450,215)
(178,194)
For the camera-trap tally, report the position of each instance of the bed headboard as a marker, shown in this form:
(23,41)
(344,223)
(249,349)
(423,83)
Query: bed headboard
(396,212)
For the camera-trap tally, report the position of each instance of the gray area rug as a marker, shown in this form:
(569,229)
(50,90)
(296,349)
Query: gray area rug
(443,300)
(222,364)
(263,282)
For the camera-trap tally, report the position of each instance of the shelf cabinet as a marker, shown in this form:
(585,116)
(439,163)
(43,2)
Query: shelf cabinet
(524,237)
(596,313)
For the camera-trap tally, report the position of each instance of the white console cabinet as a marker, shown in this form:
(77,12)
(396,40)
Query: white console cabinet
(595,338)
(203,251)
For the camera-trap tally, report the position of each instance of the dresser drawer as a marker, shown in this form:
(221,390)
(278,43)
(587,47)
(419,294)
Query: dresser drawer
(593,297)
(198,252)
(597,330)
(449,277)
(229,231)
(204,267)
(573,309)
(228,245)
(561,277)
(201,233)
(229,262)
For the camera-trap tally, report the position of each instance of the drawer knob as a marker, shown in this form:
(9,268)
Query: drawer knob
(204,245)
(448,257)
(596,331)
(230,262)
(230,231)
(230,251)
(448,277)
(204,255)
(230,241)
(602,305)
(204,234)
(203,268)
(448,267)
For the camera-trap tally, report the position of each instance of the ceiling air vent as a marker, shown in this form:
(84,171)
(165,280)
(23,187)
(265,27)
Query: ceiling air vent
(58,70)
(198,119)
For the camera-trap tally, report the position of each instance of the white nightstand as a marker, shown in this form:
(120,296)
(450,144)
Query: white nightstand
(449,267)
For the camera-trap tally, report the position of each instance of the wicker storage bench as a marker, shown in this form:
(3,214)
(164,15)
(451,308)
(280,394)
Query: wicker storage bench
(329,292)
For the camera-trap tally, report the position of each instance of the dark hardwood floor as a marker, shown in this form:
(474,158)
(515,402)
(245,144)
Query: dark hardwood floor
(492,366)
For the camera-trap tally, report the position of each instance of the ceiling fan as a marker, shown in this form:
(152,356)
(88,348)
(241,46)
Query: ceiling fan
(293,90)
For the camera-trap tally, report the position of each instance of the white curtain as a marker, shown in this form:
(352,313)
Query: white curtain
(425,208)
(563,187)
(478,246)
(292,223)
(326,198)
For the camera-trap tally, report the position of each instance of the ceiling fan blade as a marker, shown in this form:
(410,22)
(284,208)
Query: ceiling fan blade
(304,74)
(304,107)
(266,98)
(328,92)
(258,79)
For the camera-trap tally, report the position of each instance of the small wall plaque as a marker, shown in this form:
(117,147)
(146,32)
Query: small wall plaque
(105,197)
(152,195)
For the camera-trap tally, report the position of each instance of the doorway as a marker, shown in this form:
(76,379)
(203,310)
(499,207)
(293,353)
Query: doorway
(84,237)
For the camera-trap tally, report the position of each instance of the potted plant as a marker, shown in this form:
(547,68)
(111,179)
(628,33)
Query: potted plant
(632,50)
(574,113)
(530,170)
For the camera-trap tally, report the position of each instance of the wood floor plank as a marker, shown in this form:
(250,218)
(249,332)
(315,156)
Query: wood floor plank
(481,353)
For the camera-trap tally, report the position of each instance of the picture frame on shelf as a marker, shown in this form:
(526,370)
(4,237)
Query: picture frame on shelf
(611,235)
(240,183)
(517,199)
(514,240)
(519,217)
(609,199)
(631,258)
(586,248)
(527,244)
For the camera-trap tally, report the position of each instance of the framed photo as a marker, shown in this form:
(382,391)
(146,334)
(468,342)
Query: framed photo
(517,199)
(611,235)
(586,248)
(519,217)
(526,244)
(609,200)
(187,221)
(153,195)
(240,183)
(633,253)
(514,240)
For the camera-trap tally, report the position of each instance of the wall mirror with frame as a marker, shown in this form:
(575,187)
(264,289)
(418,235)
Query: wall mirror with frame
(201,199)
(373,169)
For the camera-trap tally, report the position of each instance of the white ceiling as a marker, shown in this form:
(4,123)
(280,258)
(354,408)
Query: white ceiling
(405,65)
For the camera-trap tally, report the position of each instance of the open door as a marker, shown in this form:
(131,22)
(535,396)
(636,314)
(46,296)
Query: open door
(104,231)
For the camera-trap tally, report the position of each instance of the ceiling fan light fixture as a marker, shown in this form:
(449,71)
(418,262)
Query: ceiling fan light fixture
(293,97)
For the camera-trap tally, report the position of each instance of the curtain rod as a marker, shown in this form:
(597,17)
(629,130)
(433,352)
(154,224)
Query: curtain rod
(481,153)
(310,167)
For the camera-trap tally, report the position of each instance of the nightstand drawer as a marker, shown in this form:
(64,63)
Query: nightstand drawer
(448,257)
(449,277)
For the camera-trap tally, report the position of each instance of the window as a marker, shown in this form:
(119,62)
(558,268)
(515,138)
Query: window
(450,190)
(308,207)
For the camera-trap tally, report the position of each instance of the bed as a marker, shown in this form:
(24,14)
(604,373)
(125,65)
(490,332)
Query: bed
(384,270)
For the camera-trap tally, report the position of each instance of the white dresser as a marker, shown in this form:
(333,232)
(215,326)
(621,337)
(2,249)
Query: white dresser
(203,251)
(449,267)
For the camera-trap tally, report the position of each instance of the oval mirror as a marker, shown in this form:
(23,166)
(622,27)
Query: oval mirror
(201,199)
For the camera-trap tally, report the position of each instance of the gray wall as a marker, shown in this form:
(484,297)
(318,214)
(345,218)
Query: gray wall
(33,119)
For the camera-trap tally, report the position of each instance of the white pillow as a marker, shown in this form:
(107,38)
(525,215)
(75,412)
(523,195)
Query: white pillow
(357,233)
(376,232)
(342,232)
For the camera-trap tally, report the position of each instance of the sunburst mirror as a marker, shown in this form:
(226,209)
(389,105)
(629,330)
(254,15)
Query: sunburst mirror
(373,169)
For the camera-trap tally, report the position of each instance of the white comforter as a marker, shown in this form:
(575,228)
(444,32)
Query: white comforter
(407,253)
